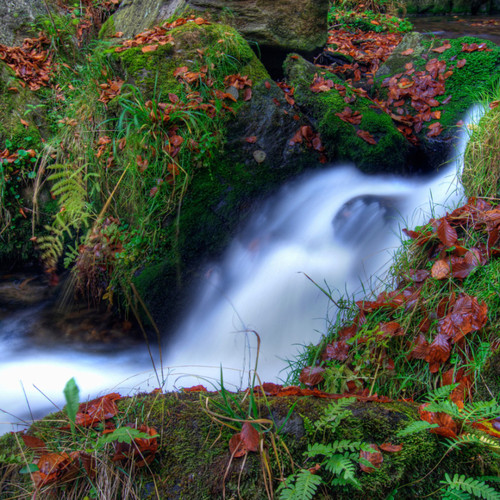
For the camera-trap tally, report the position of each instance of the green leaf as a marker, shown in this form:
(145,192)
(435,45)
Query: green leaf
(28,469)
(123,435)
(72,396)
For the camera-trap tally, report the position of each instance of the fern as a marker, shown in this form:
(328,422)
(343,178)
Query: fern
(476,487)
(69,187)
(300,486)
(441,393)
(471,412)
(414,427)
(334,413)
(493,444)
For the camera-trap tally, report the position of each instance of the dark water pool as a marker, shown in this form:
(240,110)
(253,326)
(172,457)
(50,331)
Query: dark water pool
(487,27)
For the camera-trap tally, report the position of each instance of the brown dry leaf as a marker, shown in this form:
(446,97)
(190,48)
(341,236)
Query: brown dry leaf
(438,352)
(250,437)
(34,443)
(366,136)
(461,63)
(440,269)
(446,233)
(338,350)
(311,375)
(443,47)
(252,139)
(141,450)
(391,448)
(407,52)
(374,457)
(435,129)
(148,48)
(494,104)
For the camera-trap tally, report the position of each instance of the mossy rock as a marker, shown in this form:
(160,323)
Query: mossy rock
(224,50)
(194,461)
(338,137)
(463,88)
(299,25)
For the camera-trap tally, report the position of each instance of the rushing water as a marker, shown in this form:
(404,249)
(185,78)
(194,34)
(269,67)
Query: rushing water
(336,226)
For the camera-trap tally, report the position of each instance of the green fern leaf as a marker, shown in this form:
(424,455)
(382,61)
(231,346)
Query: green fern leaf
(476,487)
(414,427)
(304,488)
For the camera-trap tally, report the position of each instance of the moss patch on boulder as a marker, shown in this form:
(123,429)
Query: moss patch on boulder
(339,138)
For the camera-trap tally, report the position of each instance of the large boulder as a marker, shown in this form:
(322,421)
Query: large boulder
(293,25)
(16,16)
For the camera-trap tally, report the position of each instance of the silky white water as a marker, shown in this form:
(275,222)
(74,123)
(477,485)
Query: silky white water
(337,226)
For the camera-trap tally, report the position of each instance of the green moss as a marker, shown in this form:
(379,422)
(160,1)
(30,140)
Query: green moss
(338,137)
(466,84)
(108,28)
(224,51)
(193,458)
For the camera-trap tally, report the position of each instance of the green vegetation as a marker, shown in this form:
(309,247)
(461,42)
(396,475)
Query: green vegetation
(340,137)
(374,15)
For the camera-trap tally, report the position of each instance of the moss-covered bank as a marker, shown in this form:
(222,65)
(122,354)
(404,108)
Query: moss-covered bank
(193,458)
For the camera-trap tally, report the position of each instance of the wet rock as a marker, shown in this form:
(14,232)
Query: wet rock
(290,24)
(16,15)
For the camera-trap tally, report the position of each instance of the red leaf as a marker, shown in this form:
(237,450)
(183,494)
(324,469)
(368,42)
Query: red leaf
(195,388)
(338,350)
(391,448)
(443,47)
(250,437)
(173,98)
(407,52)
(461,63)
(434,129)
(247,94)
(311,375)
(34,443)
(439,352)
(148,48)
(267,85)
(366,136)
(446,233)
(440,269)
(236,446)
(252,139)
(374,457)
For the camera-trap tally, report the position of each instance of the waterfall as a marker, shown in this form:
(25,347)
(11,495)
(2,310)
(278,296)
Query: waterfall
(337,226)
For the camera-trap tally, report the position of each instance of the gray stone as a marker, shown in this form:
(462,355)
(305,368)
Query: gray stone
(294,25)
(396,61)
(16,15)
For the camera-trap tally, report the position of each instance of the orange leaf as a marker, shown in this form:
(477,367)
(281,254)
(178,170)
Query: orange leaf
(443,47)
(391,448)
(374,457)
(440,270)
(439,352)
(311,375)
(250,437)
(366,136)
(24,122)
(149,48)
(407,52)
(195,388)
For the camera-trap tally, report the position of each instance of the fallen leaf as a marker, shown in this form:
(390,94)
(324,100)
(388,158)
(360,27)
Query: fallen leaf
(366,136)
(407,52)
(374,457)
(391,448)
(311,375)
(252,139)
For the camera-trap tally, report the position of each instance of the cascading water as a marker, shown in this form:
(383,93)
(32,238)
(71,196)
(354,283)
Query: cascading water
(337,226)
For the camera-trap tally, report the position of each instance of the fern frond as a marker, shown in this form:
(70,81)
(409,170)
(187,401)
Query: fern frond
(481,410)
(340,465)
(318,449)
(475,439)
(414,427)
(304,488)
(441,393)
(448,407)
(476,487)
(451,494)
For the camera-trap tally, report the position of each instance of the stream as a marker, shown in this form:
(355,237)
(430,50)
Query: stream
(337,226)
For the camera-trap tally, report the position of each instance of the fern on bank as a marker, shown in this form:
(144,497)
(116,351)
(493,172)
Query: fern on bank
(461,487)
(300,486)
(339,458)
(70,189)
